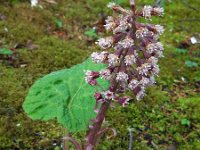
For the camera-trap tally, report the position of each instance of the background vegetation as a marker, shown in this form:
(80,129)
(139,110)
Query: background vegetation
(50,37)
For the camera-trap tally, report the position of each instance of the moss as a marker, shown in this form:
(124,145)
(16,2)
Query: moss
(191,107)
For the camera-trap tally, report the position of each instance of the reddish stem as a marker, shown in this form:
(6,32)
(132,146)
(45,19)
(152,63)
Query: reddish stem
(92,134)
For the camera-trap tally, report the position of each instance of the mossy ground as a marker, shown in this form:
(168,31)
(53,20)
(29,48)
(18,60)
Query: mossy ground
(155,121)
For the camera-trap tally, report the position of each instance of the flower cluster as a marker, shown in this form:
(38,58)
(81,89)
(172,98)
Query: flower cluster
(133,64)
(148,11)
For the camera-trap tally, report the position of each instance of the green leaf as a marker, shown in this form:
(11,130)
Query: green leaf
(181,51)
(185,122)
(91,33)
(190,64)
(64,95)
(5,51)
(58,22)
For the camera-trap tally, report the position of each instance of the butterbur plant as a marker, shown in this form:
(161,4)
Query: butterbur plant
(80,97)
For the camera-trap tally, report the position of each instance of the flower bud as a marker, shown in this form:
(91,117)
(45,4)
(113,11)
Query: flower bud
(147,11)
(121,76)
(158,11)
(108,94)
(105,43)
(124,101)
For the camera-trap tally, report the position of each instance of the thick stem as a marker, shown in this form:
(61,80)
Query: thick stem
(92,134)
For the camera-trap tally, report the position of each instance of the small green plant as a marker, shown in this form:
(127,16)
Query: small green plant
(191,64)
(8,56)
(91,33)
(185,122)
(181,51)
(58,23)
(5,51)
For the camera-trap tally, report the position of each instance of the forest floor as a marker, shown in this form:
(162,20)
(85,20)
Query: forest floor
(57,36)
